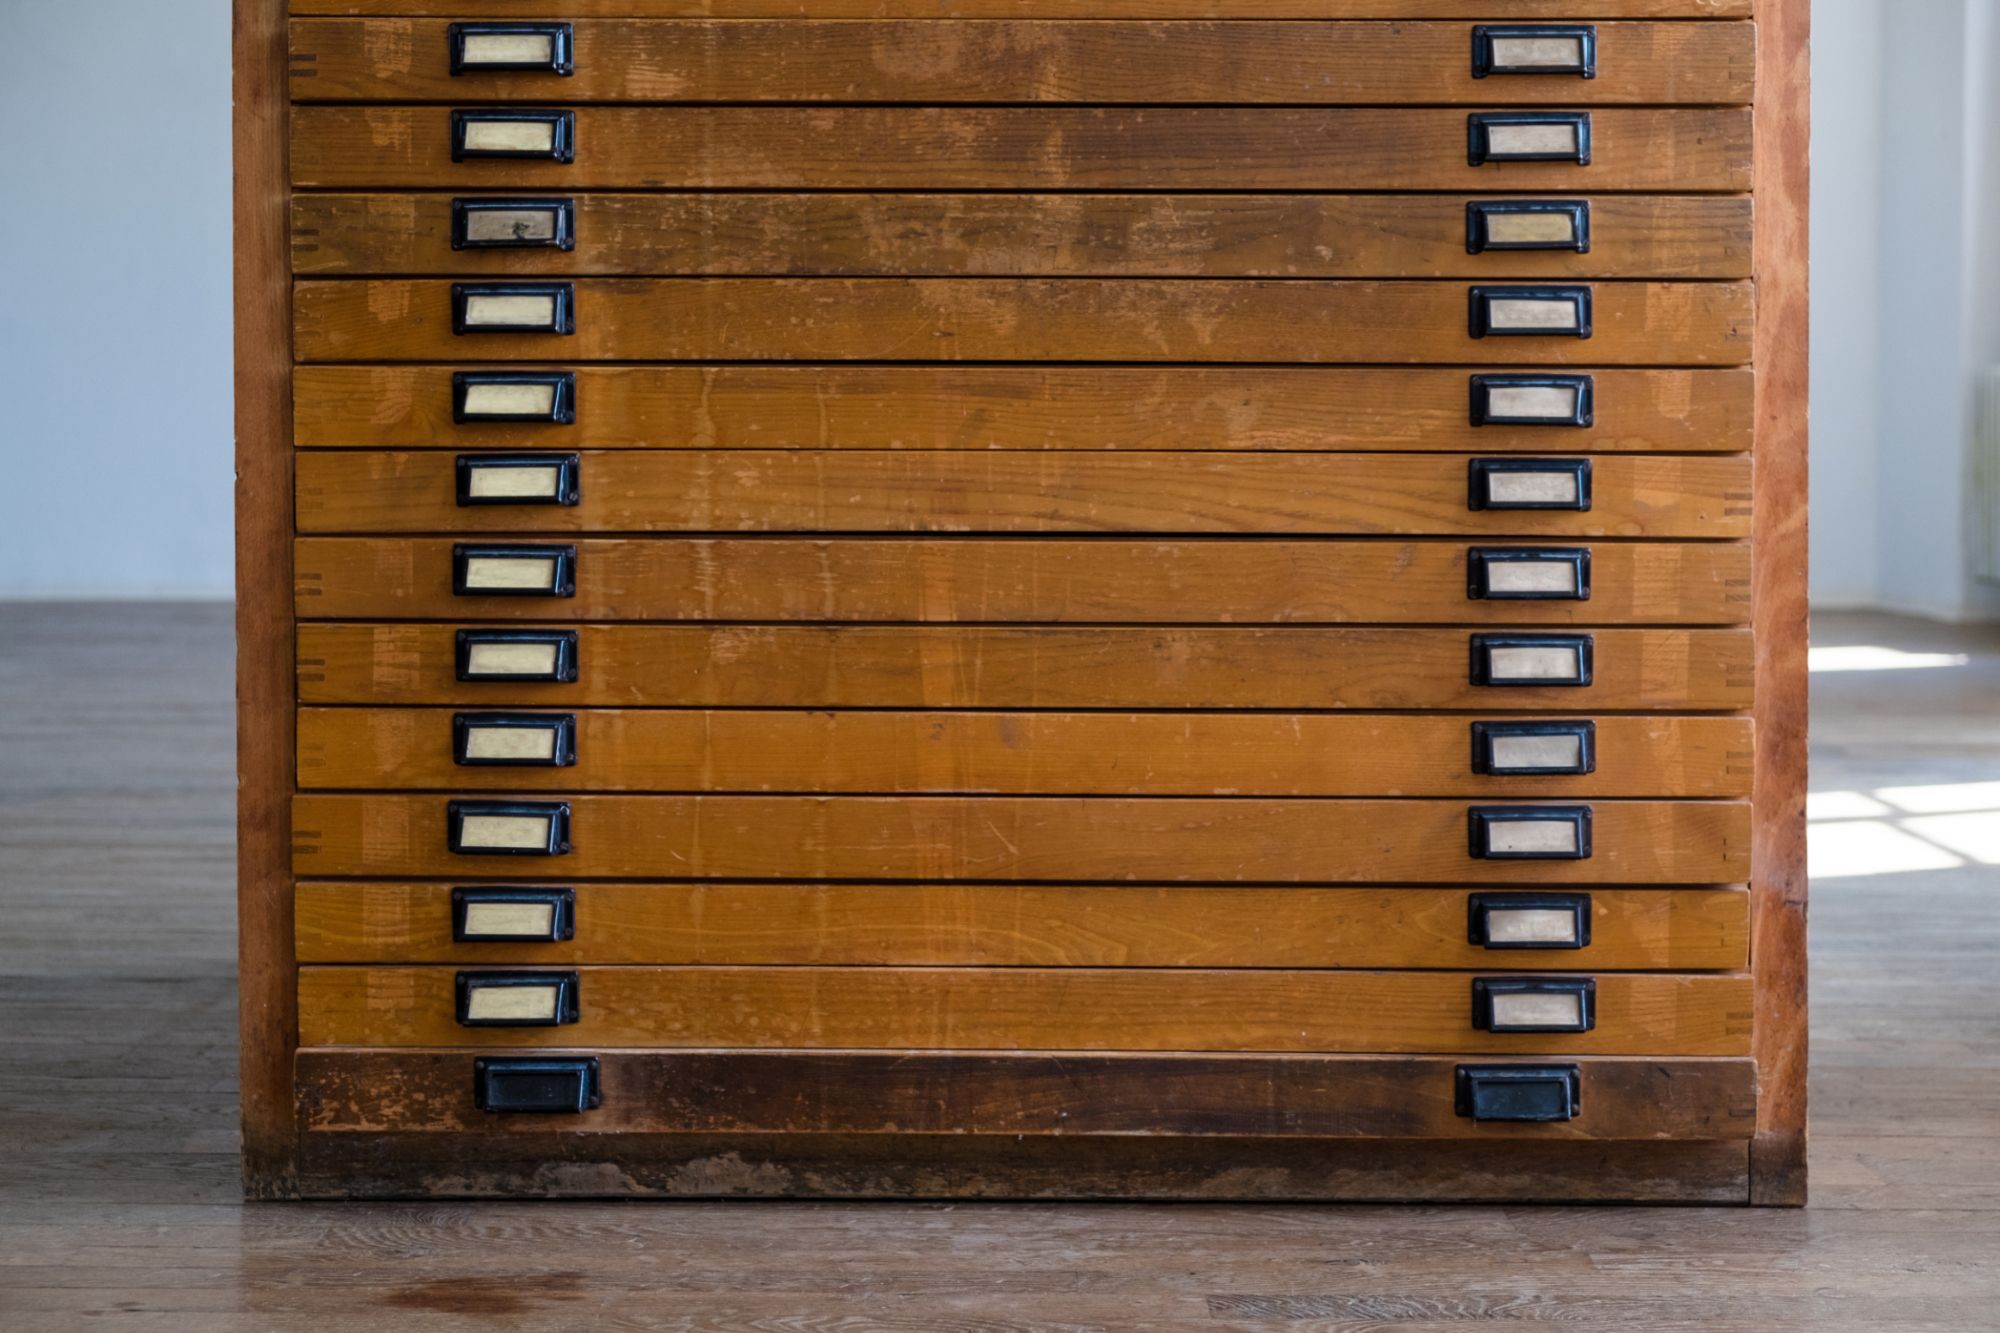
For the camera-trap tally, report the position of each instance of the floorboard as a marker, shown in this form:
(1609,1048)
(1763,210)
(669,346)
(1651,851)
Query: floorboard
(118,1188)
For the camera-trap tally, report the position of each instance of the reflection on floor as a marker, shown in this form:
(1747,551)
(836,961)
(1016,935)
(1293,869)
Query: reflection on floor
(117,1083)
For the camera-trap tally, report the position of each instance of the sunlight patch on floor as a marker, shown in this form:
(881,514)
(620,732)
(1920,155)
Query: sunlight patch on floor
(1894,830)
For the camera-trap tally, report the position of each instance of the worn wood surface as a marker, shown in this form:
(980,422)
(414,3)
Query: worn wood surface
(1025,925)
(1298,1097)
(1136,754)
(1187,408)
(1779,1154)
(1088,59)
(126,1216)
(1037,235)
(350,491)
(1036,581)
(264,667)
(1023,319)
(1047,667)
(1033,1009)
(1022,9)
(1034,148)
(1039,838)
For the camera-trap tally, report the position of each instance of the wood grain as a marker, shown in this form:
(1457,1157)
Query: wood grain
(1145,754)
(1030,1009)
(942,61)
(1033,581)
(1035,148)
(1022,319)
(264,690)
(1034,235)
(1050,668)
(1024,9)
(937,492)
(1285,1097)
(1031,839)
(1778,1155)
(1025,925)
(1186,408)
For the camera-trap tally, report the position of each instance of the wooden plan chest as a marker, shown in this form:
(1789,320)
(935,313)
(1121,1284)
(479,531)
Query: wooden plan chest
(1023,598)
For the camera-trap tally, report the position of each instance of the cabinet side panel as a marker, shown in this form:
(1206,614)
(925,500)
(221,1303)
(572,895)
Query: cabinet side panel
(264,690)
(1778,949)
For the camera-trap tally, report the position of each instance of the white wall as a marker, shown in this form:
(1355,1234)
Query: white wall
(115,318)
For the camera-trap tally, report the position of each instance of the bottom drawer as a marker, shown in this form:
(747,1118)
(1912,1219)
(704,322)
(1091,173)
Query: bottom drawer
(813,1092)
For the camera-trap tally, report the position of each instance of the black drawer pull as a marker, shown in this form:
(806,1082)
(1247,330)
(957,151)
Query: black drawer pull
(1521,1094)
(513,740)
(1534,400)
(516,999)
(1534,749)
(1540,48)
(513,224)
(512,135)
(522,656)
(501,915)
(1528,136)
(1528,483)
(512,571)
(1534,1004)
(1528,920)
(1529,832)
(513,307)
(1529,312)
(507,828)
(1527,224)
(518,48)
(1527,573)
(535,1085)
(1510,661)
(519,479)
(526,397)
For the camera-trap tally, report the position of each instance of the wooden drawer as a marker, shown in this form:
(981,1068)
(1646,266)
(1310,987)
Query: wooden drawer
(1016,925)
(941,60)
(1284,1097)
(936,492)
(1036,839)
(1034,581)
(998,408)
(1129,235)
(1044,667)
(1031,1009)
(1564,10)
(1021,148)
(1202,754)
(1023,319)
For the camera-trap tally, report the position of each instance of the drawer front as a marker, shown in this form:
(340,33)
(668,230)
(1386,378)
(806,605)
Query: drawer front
(1041,667)
(1038,839)
(1070,1095)
(1003,408)
(1025,319)
(1081,1009)
(1025,925)
(1020,9)
(352,491)
(1124,235)
(943,60)
(1031,754)
(1040,581)
(1021,148)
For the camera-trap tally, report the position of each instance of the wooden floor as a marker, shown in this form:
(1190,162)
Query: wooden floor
(118,1205)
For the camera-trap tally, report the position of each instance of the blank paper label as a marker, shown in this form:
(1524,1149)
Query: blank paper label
(533,311)
(1516,313)
(510,136)
(1562,53)
(519,226)
(507,832)
(517,1004)
(1535,836)
(1550,664)
(1564,752)
(1555,578)
(511,659)
(514,483)
(519,744)
(1522,140)
(489,573)
(1530,925)
(510,400)
(1530,229)
(513,48)
(1531,487)
(1531,403)
(1528,1009)
(519,920)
